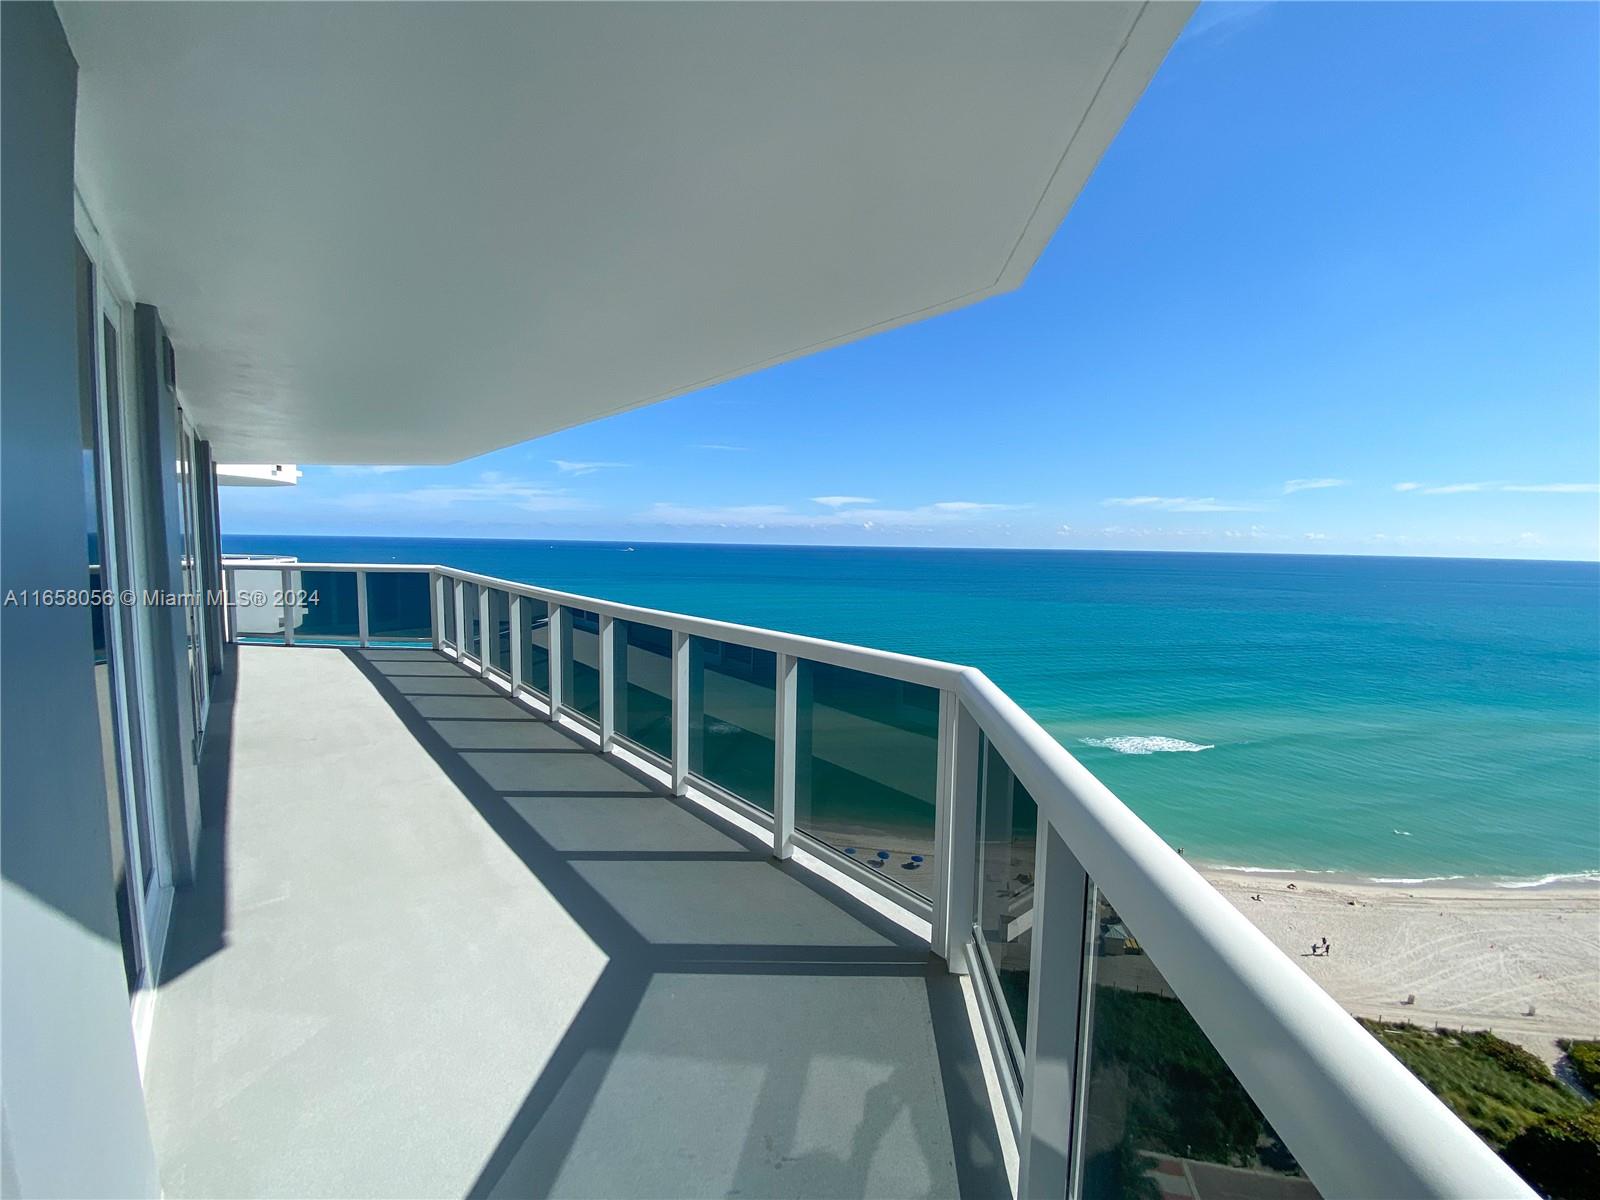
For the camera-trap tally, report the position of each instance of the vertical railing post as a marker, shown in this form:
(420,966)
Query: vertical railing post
(230,599)
(1055,985)
(460,607)
(955,832)
(514,617)
(436,609)
(680,712)
(361,609)
(557,630)
(483,630)
(786,735)
(608,683)
(288,606)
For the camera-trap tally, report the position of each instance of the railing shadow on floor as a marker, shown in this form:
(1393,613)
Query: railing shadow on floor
(649,921)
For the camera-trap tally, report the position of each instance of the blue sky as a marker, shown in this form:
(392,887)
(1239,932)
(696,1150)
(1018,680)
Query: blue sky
(1334,288)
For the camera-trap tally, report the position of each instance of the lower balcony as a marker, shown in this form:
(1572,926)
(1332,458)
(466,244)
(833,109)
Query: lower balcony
(441,947)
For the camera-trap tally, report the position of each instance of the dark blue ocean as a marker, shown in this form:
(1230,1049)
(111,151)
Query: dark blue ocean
(1393,718)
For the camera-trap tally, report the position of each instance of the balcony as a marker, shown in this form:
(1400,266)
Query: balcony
(507,891)
(444,948)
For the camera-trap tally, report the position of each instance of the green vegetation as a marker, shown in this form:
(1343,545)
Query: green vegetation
(1496,1087)
(1585,1060)
(1560,1155)
(1548,1133)
(1181,1095)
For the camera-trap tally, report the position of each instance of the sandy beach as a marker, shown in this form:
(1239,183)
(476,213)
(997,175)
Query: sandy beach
(1474,956)
(1477,957)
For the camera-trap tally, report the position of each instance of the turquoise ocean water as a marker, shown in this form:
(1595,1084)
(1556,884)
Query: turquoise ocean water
(1397,719)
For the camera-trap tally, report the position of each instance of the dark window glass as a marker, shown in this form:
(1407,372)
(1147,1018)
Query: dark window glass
(328,612)
(1161,1103)
(536,645)
(1008,825)
(499,648)
(644,685)
(731,717)
(398,607)
(469,613)
(580,675)
(449,614)
(866,768)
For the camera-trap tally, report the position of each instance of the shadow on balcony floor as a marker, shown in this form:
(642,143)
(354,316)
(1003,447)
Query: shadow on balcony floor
(456,952)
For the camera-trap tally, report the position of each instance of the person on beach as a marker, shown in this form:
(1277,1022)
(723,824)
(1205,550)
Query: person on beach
(1325,947)
(1315,953)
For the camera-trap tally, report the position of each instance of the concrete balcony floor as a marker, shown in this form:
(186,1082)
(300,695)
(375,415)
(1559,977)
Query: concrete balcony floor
(438,947)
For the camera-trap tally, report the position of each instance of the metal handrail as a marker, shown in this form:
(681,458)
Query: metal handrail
(1355,1118)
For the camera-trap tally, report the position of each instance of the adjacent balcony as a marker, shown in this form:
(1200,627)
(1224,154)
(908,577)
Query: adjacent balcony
(507,891)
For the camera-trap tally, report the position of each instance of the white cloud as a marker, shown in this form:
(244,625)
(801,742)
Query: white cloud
(368,470)
(568,467)
(1193,504)
(491,488)
(1456,489)
(1316,537)
(1222,21)
(842,501)
(720,446)
(781,516)
(1292,486)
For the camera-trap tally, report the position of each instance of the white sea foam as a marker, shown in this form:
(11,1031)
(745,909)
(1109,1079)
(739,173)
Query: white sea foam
(1260,870)
(1570,876)
(1145,745)
(1417,879)
(1402,833)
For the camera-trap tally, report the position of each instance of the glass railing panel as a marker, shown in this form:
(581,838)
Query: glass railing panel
(866,768)
(398,607)
(732,715)
(499,631)
(469,611)
(257,613)
(580,663)
(644,685)
(325,608)
(1008,829)
(1161,1104)
(535,636)
(448,613)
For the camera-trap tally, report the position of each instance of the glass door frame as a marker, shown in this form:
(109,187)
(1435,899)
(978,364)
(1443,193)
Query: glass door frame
(123,506)
(196,626)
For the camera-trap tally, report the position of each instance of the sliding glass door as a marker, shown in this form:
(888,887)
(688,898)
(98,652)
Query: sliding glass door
(140,877)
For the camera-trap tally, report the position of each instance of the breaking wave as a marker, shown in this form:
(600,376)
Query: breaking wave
(1586,876)
(1145,745)
(1415,879)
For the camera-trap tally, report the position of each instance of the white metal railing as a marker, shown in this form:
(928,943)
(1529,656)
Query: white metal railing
(1356,1120)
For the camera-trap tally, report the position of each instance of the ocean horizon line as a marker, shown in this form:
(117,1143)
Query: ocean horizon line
(1129,550)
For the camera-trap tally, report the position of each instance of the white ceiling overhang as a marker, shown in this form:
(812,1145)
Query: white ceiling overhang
(417,232)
